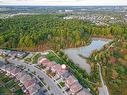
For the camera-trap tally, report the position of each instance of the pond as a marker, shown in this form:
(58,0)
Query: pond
(86,51)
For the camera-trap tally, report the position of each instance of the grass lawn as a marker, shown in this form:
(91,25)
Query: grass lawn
(52,57)
(62,84)
(35,58)
(4,90)
(19,92)
(28,60)
(5,79)
(9,84)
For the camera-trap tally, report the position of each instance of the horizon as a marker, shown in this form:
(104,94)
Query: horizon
(63,6)
(63,3)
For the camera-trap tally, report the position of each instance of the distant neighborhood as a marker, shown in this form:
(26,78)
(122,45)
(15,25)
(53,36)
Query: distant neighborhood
(97,19)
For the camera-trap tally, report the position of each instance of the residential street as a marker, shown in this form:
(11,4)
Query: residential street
(54,88)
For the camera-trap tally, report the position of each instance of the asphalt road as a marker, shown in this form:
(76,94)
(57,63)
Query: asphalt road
(54,88)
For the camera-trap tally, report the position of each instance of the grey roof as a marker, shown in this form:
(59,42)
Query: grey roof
(20,75)
(25,78)
(10,68)
(34,89)
(66,74)
(15,70)
(1,63)
(6,67)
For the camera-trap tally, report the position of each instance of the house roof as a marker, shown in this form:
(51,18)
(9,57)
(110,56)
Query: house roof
(40,92)
(25,78)
(42,59)
(15,70)
(45,62)
(20,54)
(28,83)
(66,74)
(76,87)
(8,66)
(83,92)
(3,67)
(33,89)
(12,53)
(48,63)
(70,80)
(58,68)
(1,64)
(20,75)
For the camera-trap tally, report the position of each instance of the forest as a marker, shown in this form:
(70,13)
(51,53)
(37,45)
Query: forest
(114,66)
(51,31)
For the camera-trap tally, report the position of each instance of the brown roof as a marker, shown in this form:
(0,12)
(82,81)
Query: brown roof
(58,68)
(70,81)
(42,60)
(25,78)
(49,64)
(76,87)
(20,75)
(15,71)
(28,83)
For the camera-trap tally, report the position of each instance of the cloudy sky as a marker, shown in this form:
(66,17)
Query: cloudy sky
(63,2)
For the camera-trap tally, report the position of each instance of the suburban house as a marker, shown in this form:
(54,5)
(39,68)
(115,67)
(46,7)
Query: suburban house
(29,84)
(8,68)
(21,54)
(20,75)
(5,52)
(70,81)
(12,54)
(15,71)
(34,89)
(25,78)
(76,87)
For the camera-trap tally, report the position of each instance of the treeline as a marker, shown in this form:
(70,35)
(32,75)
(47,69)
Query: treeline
(39,32)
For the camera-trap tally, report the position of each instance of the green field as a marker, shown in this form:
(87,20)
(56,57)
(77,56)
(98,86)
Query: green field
(4,90)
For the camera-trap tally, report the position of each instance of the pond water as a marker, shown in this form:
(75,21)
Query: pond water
(86,51)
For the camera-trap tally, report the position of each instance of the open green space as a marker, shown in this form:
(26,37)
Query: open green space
(35,58)
(4,90)
(28,60)
(62,84)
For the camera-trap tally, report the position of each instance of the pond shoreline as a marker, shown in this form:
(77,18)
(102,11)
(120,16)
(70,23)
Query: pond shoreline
(85,51)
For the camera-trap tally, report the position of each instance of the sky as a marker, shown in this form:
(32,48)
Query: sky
(64,2)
